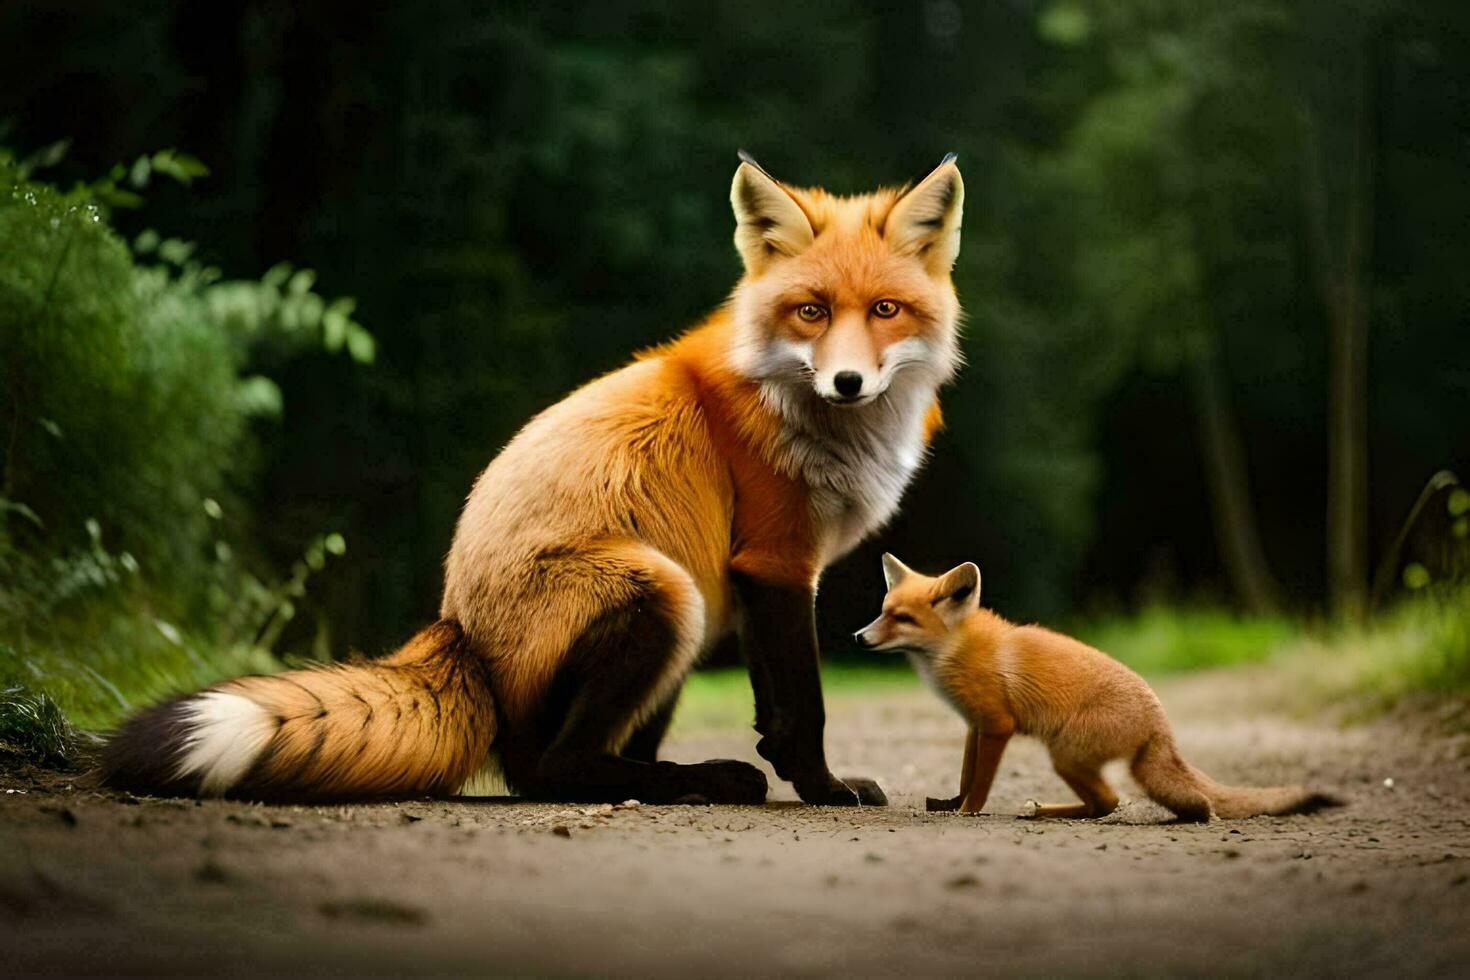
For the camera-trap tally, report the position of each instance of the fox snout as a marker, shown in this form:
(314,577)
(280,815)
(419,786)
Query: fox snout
(846,387)
(861,639)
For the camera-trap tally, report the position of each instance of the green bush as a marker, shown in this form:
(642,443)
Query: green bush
(128,399)
(127,417)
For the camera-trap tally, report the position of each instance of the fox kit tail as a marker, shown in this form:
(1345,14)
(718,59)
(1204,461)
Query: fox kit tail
(417,722)
(1234,802)
(1191,795)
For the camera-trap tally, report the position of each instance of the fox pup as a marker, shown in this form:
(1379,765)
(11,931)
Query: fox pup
(700,489)
(1088,708)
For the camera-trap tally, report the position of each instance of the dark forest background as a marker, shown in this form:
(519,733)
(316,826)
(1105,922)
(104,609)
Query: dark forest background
(1214,267)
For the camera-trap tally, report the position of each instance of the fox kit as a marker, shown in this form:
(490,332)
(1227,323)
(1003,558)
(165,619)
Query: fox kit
(623,531)
(1087,707)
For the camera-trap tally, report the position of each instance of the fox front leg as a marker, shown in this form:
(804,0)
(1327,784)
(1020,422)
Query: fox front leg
(967,774)
(779,636)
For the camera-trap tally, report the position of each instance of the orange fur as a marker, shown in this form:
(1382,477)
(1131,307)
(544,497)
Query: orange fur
(1088,708)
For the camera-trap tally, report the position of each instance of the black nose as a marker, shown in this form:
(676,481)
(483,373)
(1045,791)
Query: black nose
(861,640)
(848,383)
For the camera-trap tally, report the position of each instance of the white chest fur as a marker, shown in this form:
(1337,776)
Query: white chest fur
(856,461)
(924,667)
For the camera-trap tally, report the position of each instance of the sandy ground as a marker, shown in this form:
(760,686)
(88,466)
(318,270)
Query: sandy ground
(95,882)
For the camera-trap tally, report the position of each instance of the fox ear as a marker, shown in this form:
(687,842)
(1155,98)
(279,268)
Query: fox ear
(894,571)
(926,221)
(957,592)
(768,221)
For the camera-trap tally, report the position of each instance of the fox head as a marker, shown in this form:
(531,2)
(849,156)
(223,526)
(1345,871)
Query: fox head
(843,295)
(920,611)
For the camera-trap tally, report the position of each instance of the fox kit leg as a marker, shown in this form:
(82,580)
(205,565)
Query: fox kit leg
(618,674)
(779,636)
(988,750)
(967,772)
(1098,798)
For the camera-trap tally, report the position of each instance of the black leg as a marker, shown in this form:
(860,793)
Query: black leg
(778,633)
(643,746)
(607,677)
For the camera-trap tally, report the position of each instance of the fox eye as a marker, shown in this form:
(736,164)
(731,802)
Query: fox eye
(811,312)
(885,308)
(903,618)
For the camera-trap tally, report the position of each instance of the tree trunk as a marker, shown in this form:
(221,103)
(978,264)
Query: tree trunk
(1343,277)
(1347,420)
(1227,473)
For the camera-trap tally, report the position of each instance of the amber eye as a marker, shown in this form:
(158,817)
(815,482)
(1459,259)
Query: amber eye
(903,618)
(885,308)
(811,312)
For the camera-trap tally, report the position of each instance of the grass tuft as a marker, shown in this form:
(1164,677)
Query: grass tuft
(34,729)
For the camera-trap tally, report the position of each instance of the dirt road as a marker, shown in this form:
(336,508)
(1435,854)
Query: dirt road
(93,882)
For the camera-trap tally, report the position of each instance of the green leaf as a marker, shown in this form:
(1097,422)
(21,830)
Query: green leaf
(108,193)
(175,251)
(180,166)
(1416,576)
(276,275)
(139,173)
(260,396)
(335,544)
(1064,23)
(47,156)
(360,345)
(334,330)
(301,282)
(1459,501)
(20,510)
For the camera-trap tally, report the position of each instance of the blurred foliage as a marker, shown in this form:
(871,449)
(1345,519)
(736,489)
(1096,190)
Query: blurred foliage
(129,401)
(1162,639)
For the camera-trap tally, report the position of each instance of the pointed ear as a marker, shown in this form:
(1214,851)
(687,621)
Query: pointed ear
(768,221)
(957,592)
(894,571)
(926,221)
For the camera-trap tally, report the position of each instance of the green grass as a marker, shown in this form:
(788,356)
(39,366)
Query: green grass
(722,698)
(34,729)
(1164,639)
(1416,653)
(105,667)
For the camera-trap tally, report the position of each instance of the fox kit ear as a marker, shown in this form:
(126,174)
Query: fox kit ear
(926,221)
(894,571)
(957,593)
(768,221)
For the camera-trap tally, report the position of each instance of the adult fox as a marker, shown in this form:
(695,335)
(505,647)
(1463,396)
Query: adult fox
(623,531)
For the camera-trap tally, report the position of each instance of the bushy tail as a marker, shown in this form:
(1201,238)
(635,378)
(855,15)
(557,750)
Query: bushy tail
(1191,795)
(417,722)
(1234,802)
